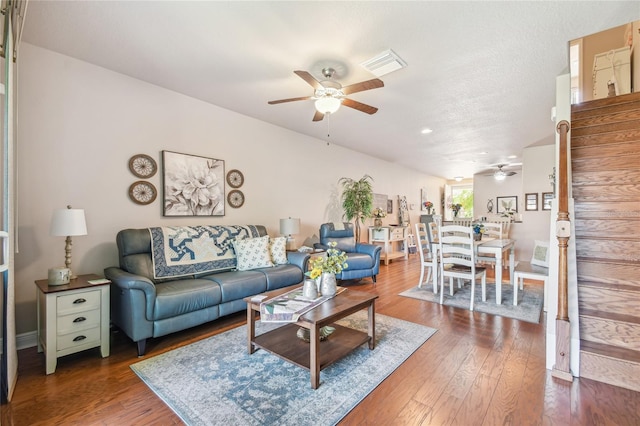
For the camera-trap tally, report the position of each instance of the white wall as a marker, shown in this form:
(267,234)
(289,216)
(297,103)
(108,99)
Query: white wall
(79,124)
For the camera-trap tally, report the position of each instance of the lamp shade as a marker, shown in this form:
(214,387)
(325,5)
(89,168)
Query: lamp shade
(289,226)
(68,222)
(327,104)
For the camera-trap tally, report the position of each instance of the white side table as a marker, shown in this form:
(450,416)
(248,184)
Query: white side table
(72,318)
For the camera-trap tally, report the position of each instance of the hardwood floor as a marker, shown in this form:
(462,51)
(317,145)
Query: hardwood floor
(477,369)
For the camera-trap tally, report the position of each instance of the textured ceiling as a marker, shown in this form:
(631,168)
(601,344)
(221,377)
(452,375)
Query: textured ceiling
(480,74)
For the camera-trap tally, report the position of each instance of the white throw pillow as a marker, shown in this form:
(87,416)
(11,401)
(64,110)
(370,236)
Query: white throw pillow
(252,253)
(278,250)
(540,255)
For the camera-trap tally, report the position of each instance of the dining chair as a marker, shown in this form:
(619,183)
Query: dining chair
(491,230)
(458,260)
(536,269)
(426,259)
(462,221)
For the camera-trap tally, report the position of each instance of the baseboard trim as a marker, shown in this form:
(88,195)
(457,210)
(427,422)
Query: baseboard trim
(24,340)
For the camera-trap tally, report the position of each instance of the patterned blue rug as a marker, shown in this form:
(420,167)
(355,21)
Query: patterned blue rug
(215,381)
(529,301)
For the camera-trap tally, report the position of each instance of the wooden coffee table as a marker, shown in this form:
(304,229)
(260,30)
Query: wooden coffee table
(315,355)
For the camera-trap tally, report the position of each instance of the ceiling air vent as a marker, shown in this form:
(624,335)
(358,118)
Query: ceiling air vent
(384,63)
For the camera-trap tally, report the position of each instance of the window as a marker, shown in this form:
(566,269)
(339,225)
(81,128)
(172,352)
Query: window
(458,194)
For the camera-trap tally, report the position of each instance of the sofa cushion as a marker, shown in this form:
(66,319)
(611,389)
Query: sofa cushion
(282,276)
(239,284)
(182,296)
(252,253)
(278,250)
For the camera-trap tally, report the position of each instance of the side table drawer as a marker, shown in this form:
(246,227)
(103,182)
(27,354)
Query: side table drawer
(78,321)
(397,234)
(84,301)
(79,338)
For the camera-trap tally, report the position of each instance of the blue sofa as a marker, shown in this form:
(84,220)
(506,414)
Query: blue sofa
(150,298)
(363,259)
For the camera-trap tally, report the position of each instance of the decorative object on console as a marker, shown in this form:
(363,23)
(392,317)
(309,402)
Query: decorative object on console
(357,200)
(193,185)
(288,228)
(235,198)
(235,178)
(143,166)
(428,206)
(68,223)
(378,214)
(478,230)
(142,192)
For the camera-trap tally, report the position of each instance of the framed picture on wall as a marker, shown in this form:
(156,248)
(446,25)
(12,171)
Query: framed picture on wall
(506,204)
(423,198)
(389,206)
(546,200)
(531,201)
(193,185)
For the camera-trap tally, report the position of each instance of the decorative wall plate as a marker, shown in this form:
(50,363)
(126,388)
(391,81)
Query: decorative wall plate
(235,178)
(143,166)
(235,198)
(142,192)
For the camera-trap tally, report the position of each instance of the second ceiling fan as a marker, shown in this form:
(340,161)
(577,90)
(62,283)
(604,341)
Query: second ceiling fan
(329,94)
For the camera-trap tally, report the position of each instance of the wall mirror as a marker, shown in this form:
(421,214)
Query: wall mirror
(602,64)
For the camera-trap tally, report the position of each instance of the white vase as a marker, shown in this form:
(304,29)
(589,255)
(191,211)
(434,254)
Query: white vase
(328,285)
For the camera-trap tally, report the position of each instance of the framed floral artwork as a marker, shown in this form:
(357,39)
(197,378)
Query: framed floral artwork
(507,204)
(193,185)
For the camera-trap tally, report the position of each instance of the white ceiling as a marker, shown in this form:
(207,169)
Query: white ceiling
(480,74)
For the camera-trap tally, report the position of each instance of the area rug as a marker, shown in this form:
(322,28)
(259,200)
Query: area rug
(215,381)
(529,301)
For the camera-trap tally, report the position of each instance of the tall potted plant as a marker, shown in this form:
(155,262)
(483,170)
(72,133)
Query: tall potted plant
(357,200)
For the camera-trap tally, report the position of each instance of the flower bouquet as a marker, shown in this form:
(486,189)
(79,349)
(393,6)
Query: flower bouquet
(456,209)
(377,215)
(428,205)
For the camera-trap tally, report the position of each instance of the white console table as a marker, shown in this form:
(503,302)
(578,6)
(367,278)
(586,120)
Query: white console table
(393,239)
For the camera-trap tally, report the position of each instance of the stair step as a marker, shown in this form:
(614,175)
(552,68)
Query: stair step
(606,209)
(618,229)
(616,284)
(611,300)
(610,364)
(601,105)
(592,175)
(627,250)
(622,331)
(622,144)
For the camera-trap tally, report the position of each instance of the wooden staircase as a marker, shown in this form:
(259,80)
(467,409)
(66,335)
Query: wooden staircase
(605,159)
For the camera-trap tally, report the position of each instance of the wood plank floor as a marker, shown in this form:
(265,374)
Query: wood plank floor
(477,369)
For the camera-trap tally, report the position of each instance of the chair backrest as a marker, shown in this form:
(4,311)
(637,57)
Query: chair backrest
(493,230)
(506,224)
(340,232)
(456,246)
(462,221)
(422,241)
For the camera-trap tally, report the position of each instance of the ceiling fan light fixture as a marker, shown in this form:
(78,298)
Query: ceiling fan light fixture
(327,105)
(499,175)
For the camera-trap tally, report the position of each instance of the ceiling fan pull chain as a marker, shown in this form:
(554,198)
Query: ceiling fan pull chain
(328,115)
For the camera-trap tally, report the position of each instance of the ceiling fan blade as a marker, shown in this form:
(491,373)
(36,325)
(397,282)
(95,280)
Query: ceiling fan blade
(359,106)
(510,173)
(309,79)
(302,98)
(362,86)
(318,116)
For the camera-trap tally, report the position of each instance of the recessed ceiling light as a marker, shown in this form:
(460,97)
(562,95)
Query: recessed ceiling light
(511,157)
(483,153)
(426,131)
(458,178)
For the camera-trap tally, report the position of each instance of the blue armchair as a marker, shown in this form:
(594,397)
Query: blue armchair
(363,259)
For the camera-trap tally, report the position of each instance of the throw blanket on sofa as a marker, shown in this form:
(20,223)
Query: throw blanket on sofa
(187,250)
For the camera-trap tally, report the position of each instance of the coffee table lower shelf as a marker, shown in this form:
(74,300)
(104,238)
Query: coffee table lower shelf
(284,343)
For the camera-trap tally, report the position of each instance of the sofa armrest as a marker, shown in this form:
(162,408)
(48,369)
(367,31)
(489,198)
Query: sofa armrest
(372,250)
(127,281)
(299,259)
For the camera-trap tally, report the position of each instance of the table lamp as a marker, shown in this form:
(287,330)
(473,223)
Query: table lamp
(68,222)
(289,227)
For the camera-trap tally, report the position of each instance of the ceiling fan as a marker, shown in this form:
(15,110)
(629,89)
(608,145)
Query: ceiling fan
(329,94)
(501,174)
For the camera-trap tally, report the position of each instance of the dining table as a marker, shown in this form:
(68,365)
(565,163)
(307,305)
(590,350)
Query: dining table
(496,247)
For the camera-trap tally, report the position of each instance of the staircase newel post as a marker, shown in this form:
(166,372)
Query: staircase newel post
(562,368)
